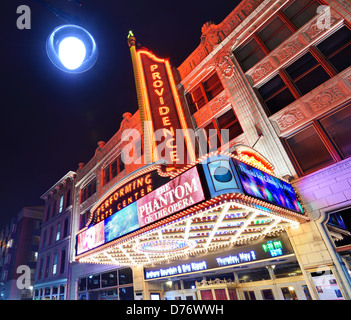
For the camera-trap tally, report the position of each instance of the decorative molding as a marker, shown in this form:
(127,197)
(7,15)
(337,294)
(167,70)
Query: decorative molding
(211,109)
(325,97)
(293,46)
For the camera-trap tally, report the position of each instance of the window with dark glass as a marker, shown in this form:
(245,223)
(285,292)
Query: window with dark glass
(339,225)
(249,54)
(63,261)
(125,276)
(229,121)
(109,279)
(213,135)
(323,142)
(338,128)
(65,228)
(82,284)
(113,169)
(93,281)
(279,28)
(306,73)
(88,191)
(68,198)
(204,93)
(275,94)
(337,49)
(274,33)
(301,11)
(309,150)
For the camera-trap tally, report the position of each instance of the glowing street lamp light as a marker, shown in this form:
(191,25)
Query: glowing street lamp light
(71,48)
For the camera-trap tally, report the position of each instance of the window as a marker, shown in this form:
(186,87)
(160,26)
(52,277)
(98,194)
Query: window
(323,142)
(306,73)
(88,191)
(229,121)
(51,235)
(249,54)
(54,265)
(109,279)
(63,261)
(125,276)
(218,131)
(68,200)
(274,32)
(249,295)
(309,150)
(94,281)
(204,93)
(289,293)
(339,226)
(61,204)
(113,169)
(275,94)
(48,210)
(65,228)
(337,49)
(337,127)
(53,209)
(58,231)
(301,11)
(267,294)
(47,267)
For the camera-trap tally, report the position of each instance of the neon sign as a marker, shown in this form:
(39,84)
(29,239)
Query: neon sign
(126,195)
(162,109)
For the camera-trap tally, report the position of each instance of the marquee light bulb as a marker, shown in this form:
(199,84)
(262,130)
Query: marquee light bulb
(72,52)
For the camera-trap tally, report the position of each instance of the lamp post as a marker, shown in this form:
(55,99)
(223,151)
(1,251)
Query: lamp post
(70,47)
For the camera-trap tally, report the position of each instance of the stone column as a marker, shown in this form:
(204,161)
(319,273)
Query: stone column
(250,113)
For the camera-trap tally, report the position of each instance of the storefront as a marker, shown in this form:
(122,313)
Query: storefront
(202,234)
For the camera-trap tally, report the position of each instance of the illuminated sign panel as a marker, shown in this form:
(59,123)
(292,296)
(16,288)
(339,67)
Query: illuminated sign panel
(245,254)
(163,109)
(262,185)
(127,194)
(176,195)
(90,238)
(221,175)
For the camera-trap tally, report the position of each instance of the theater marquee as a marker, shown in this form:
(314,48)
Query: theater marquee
(219,202)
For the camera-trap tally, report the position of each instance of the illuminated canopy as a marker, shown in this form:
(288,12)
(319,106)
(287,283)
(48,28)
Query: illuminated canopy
(209,206)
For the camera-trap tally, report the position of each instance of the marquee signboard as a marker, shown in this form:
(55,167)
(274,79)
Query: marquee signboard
(127,194)
(227,175)
(266,187)
(139,203)
(174,196)
(267,249)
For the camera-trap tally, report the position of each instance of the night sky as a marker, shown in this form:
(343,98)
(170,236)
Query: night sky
(52,120)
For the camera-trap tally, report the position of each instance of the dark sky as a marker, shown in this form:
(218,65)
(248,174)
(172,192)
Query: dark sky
(52,120)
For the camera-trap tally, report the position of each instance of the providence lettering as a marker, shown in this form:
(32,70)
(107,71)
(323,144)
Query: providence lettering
(164,111)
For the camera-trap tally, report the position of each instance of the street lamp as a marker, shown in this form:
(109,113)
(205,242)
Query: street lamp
(71,48)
